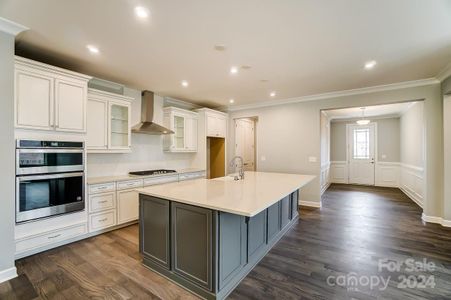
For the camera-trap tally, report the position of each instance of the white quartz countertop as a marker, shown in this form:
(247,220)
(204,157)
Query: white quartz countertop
(105,179)
(248,197)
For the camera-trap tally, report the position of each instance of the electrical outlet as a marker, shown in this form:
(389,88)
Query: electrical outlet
(312,159)
(263,158)
(384,156)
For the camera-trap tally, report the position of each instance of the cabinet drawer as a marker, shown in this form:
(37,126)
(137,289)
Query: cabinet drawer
(102,220)
(194,175)
(129,184)
(160,180)
(36,241)
(102,188)
(103,201)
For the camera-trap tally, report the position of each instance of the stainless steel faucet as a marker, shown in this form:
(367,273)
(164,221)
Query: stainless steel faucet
(241,166)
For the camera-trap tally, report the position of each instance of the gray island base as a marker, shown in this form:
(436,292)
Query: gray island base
(208,251)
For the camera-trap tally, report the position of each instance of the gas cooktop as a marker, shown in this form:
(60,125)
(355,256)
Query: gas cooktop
(151,172)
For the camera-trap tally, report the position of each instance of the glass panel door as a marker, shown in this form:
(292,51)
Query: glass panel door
(119,131)
(179,129)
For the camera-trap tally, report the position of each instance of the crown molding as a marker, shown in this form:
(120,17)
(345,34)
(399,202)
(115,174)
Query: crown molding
(444,73)
(11,27)
(337,94)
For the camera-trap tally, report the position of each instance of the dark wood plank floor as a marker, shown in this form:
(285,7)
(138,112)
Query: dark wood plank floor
(355,228)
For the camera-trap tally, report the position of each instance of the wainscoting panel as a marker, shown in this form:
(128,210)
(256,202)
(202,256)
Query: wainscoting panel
(325,177)
(387,174)
(412,181)
(338,172)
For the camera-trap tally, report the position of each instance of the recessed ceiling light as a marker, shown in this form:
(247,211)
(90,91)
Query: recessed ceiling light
(231,101)
(141,12)
(233,70)
(220,47)
(272,94)
(370,64)
(93,49)
(185,83)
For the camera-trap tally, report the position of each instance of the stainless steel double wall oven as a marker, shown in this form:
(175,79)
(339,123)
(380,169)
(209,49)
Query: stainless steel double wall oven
(49,178)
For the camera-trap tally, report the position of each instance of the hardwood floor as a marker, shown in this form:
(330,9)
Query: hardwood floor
(355,228)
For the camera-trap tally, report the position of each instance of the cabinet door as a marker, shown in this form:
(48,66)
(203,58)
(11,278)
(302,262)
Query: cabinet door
(70,102)
(294,204)
(34,100)
(119,125)
(285,211)
(192,243)
(154,230)
(179,135)
(191,134)
(97,127)
(273,215)
(232,246)
(221,126)
(212,126)
(256,236)
(127,206)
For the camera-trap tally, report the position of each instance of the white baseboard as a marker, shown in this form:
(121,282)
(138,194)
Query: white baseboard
(310,204)
(415,198)
(324,188)
(436,220)
(8,274)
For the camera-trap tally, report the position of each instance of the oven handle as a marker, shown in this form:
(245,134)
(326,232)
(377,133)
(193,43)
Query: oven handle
(50,150)
(50,176)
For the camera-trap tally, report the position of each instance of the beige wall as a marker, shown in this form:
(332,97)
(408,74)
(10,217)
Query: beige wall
(7,152)
(387,139)
(288,134)
(325,140)
(412,136)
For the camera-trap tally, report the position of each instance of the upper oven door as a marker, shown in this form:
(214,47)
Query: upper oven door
(41,161)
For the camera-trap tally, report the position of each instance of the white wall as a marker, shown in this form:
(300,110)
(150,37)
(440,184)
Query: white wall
(147,150)
(289,133)
(412,136)
(7,157)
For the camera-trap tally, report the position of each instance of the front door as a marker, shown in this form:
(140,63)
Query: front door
(245,142)
(361,153)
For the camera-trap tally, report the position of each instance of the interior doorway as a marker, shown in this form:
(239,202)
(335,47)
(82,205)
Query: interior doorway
(361,153)
(245,140)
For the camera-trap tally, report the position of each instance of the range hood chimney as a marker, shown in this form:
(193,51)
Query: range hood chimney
(147,125)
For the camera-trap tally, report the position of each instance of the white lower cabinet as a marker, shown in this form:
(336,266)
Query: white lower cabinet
(127,206)
(50,237)
(102,220)
(102,201)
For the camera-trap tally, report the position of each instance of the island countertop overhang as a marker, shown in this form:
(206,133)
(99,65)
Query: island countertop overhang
(248,197)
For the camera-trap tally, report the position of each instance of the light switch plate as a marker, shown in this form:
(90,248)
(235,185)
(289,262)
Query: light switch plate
(312,159)
(384,156)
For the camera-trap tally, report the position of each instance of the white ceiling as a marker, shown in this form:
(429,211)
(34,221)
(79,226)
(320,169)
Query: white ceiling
(300,47)
(395,109)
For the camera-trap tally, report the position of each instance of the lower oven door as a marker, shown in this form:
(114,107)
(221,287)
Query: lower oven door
(47,195)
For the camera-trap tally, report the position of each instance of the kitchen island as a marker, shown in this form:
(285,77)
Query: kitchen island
(208,234)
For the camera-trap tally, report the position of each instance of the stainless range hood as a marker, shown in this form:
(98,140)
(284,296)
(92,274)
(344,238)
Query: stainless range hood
(147,125)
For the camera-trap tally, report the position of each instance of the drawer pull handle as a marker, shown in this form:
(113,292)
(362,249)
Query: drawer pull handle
(103,220)
(54,236)
(103,201)
(102,187)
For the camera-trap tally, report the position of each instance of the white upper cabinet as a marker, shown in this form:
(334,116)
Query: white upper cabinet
(49,98)
(97,132)
(34,100)
(216,123)
(109,126)
(184,124)
(71,105)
